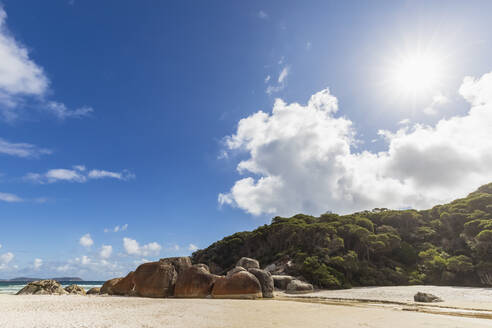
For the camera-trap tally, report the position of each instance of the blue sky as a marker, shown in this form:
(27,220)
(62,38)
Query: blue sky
(159,119)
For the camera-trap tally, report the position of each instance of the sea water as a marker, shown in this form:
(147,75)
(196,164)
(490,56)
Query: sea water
(12,287)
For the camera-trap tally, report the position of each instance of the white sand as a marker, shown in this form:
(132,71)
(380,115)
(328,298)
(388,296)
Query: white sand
(122,312)
(462,297)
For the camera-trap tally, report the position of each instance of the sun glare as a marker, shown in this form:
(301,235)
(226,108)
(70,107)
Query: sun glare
(416,74)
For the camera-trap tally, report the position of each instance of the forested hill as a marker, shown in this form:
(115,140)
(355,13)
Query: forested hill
(447,245)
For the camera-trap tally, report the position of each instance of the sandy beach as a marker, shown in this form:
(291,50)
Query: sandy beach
(125,312)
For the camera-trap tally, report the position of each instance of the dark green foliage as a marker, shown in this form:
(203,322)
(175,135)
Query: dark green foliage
(448,244)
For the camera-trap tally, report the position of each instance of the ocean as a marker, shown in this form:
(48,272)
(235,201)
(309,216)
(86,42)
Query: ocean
(12,287)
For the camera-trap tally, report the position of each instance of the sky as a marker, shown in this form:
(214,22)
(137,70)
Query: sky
(135,130)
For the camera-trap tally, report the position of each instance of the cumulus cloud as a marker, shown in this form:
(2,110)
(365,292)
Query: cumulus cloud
(106,251)
(9,198)
(37,263)
(86,240)
(5,259)
(132,247)
(24,150)
(22,79)
(76,174)
(301,159)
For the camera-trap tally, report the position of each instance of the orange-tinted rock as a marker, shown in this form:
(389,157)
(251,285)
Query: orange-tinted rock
(125,286)
(155,279)
(180,263)
(241,284)
(196,281)
(107,288)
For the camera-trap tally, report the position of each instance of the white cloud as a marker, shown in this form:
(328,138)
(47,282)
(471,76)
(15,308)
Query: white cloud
(106,251)
(272,88)
(77,174)
(437,100)
(22,79)
(0,245)
(100,174)
(5,259)
(267,78)
(283,74)
(86,240)
(262,14)
(308,45)
(62,112)
(20,75)
(118,228)
(132,247)
(301,159)
(10,198)
(192,247)
(37,263)
(24,150)
(85,260)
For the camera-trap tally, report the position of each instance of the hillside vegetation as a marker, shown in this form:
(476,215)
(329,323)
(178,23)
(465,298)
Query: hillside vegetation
(447,245)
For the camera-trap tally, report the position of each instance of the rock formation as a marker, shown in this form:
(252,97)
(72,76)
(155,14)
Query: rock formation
(426,298)
(196,281)
(248,263)
(125,286)
(94,291)
(266,281)
(241,284)
(42,287)
(155,279)
(180,263)
(299,287)
(107,287)
(281,281)
(75,289)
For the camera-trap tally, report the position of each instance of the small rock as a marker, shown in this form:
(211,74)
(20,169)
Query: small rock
(299,287)
(75,289)
(248,263)
(426,298)
(94,291)
(281,281)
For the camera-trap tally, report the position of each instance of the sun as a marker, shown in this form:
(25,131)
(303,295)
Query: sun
(416,74)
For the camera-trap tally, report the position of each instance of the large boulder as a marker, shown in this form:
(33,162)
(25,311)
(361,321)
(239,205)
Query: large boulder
(248,263)
(125,286)
(107,287)
(94,291)
(426,298)
(155,279)
(235,270)
(180,263)
(242,284)
(196,281)
(266,281)
(75,289)
(299,287)
(42,287)
(281,281)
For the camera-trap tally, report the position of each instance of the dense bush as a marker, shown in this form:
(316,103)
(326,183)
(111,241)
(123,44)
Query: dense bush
(448,244)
